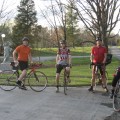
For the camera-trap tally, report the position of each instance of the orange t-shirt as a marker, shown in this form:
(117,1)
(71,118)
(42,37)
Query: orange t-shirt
(23,52)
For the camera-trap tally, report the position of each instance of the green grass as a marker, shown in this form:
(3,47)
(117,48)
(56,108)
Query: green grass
(80,72)
(77,51)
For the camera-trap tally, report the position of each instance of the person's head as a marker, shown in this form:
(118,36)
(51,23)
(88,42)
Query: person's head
(98,41)
(63,43)
(25,41)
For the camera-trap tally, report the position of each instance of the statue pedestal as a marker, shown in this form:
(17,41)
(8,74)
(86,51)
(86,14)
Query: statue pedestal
(5,66)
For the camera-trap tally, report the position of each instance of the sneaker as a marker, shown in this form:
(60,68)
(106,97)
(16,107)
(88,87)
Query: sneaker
(91,89)
(23,87)
(19,83)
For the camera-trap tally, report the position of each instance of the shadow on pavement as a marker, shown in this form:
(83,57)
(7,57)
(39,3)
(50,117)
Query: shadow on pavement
(114,116)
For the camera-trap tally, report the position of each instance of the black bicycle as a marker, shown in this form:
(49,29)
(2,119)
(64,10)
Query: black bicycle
(37,80)
(116,97)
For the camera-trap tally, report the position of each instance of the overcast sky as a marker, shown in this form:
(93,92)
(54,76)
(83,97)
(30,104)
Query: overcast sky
(11,5)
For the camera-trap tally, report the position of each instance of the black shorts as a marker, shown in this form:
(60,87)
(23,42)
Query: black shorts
(60,67)
(23,65)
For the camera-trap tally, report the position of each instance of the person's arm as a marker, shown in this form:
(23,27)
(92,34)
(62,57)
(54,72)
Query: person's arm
(70,59)
(105,57)
(30,57)
(91,57)
(57,58)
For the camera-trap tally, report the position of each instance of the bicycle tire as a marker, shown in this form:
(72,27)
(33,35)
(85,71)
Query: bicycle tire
(65,83)
(37,81)
(8,80)
(116,98)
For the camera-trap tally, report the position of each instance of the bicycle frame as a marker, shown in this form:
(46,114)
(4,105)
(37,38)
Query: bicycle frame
(37,80)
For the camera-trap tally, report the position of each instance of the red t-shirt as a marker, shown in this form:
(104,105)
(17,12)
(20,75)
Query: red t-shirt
(23,52)
(98,53)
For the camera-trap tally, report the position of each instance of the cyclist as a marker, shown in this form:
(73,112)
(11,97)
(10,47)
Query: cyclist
(114,81)
(98,56)
(63,58)
(24,53)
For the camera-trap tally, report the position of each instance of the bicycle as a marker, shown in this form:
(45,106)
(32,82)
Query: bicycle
(116,97)
(65,80)
(98,77)
(37,80)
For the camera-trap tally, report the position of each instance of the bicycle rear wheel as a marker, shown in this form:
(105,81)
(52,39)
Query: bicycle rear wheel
(37,81)
(8,80)
(116,98)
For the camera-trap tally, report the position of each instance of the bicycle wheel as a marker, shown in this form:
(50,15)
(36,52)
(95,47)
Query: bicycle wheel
(116,98)
(8,80)
(37,81)
(65,82)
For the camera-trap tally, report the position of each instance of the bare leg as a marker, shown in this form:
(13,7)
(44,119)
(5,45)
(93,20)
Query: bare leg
(23,74)
(68,73)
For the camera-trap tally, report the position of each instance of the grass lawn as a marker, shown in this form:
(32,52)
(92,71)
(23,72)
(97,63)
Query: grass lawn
(80,72)
(52,51)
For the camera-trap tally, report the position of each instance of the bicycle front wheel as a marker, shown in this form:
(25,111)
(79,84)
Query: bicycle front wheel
(116,98)
(37,81)
(8,80)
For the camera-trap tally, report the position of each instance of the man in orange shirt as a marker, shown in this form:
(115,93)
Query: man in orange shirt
(98,56)
(24,54)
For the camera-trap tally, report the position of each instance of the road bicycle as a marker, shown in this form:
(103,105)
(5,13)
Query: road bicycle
(116,97)
(65,80)
(37,80)
(98,77)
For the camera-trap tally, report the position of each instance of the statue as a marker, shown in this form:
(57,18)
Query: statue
(7,51)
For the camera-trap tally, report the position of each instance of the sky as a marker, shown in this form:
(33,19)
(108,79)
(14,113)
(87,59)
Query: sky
(11,5)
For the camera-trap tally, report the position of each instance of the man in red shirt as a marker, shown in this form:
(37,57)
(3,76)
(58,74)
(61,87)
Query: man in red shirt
(24,54)
(98,56)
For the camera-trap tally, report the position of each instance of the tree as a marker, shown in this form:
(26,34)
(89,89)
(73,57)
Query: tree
(24,21)
(99,16)
(71,24)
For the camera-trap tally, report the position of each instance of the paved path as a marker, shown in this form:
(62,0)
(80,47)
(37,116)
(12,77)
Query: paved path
(79,104)
(115,51)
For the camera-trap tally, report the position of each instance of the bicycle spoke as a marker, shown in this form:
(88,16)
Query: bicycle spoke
(38,81)
(8,80)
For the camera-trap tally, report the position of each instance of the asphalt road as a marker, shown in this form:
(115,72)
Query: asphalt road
(79,104)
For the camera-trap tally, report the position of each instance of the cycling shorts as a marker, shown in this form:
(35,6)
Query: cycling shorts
(60,67)
(23,65)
